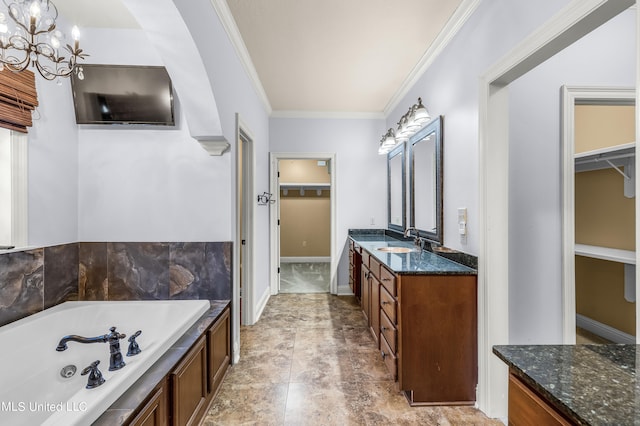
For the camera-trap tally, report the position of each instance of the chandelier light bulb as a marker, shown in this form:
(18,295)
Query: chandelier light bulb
(75,33)
(34,9)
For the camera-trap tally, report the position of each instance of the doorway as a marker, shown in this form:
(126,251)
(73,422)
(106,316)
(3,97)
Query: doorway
(574,21)
(243,248)
(303,223)
(599,214)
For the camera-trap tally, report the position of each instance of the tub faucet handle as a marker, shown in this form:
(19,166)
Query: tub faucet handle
(95,376)
(115,362)
(134,349)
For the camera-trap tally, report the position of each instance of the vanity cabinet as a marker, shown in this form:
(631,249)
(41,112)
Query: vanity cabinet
(355,262)
(425,326)
(527,407)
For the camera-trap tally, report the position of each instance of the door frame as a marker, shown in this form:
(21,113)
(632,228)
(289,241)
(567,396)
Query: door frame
(570,96)
(245,166)
(274,214)
(571,23)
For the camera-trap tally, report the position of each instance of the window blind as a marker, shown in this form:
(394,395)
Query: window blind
(18,97)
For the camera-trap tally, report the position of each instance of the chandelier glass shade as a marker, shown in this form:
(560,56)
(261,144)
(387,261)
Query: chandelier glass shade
(416,117)
(28,36)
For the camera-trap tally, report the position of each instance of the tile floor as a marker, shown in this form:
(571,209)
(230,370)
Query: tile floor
(310,277)
(310,360)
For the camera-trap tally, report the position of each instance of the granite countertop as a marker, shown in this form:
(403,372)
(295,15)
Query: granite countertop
(418,262)
(124,409)
(590,384)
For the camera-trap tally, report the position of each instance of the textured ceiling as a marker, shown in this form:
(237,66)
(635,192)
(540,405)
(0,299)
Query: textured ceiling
(337,55)
(316,56)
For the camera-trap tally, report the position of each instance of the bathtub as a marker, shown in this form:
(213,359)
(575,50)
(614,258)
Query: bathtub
(33,389)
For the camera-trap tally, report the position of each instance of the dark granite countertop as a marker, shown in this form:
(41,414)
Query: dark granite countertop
(418,262)
(124,408)
(590,384)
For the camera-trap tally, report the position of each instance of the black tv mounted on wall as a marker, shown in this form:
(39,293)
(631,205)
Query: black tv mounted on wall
(123,94)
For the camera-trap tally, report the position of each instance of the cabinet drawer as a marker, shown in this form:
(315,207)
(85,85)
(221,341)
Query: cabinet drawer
(389,358)
(374,267)
(388,305)
(365,258)
(388,330)
(388,280)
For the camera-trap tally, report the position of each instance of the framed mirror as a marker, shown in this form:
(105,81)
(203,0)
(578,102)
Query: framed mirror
(425,180)
(396,187)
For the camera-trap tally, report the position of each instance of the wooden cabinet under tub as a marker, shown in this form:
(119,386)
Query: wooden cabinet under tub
(191,373)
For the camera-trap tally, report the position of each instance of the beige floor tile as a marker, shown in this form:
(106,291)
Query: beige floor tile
(311,360)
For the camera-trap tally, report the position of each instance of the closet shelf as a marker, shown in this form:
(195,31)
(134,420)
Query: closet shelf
(606,253)
(600,158)
(305,185)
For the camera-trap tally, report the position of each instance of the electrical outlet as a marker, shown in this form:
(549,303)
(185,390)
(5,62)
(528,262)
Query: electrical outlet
(304,244)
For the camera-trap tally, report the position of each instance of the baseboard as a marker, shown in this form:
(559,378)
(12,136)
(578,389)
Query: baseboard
(262,304)
(344,290)
(318,259)
(604,330)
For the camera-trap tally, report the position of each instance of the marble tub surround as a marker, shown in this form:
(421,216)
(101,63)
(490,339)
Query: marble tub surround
(590,384)
(22,280)
(311,360)
(36,279)
(148,271)
(125,407)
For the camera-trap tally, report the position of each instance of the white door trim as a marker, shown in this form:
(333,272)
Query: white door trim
(571,95)
(243,201)
(274,157)
(572,22)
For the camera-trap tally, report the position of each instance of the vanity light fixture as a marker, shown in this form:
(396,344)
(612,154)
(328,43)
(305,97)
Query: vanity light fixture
(416,117)
(28,36)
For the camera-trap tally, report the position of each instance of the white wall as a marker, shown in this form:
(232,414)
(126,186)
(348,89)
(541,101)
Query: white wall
(361,174)
(149,183)
(605,57)
(53,167)
(450,87)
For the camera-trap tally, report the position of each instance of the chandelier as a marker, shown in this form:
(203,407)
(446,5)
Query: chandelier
(408,125)
(28,36)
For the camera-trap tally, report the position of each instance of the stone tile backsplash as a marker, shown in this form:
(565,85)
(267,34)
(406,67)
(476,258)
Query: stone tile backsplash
(33,280)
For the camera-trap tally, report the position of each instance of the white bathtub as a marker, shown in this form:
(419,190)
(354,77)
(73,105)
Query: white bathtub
(33,392)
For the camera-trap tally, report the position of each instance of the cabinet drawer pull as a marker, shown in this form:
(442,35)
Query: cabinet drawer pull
(385,302)
(386,279)
(383,328)
(383,354)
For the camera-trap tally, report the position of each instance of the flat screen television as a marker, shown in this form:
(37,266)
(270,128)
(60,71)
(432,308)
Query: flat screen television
(123,94)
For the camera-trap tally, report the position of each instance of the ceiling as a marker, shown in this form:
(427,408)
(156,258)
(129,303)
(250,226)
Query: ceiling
(319,56)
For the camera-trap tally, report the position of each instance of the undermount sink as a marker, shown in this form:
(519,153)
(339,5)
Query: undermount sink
(396,249)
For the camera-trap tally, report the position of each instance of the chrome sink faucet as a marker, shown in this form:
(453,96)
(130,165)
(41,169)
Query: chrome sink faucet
(416,240)
(113,338)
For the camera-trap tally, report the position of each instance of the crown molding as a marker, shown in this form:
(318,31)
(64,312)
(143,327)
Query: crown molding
(450,29)
(231,28)
(346,115)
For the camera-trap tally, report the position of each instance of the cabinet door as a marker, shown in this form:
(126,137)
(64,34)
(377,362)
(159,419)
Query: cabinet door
(154,412)
(374,309)
(365,283)
(189,386)
(219,346)
(527,408)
